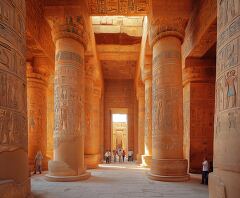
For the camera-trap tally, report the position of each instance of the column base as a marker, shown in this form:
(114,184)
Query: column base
(146,161)
(91,161)
(83,176)
(139,159)
(169,170)
(168,178)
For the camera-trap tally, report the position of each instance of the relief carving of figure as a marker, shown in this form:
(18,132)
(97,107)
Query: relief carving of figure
(220,96)
(218,126)
(231,89)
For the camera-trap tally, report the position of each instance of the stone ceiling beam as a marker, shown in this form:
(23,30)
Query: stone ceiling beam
(38,33)
(201,30)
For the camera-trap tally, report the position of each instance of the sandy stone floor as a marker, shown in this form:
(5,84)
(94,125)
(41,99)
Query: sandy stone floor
(118,181)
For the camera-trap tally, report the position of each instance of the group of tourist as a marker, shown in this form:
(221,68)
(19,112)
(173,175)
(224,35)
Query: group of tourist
(118,155)
(121,154)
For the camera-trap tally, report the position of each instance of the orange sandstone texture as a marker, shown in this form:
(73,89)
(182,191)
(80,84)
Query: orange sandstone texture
(167,155)
(37,82)
(68,161)
(225,179)
(147,157)
(14,173)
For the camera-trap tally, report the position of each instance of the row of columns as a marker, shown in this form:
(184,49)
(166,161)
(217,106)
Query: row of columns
(167,130)
(76,136)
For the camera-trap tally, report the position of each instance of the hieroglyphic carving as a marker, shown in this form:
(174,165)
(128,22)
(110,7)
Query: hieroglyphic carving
(118,7)
(229,9)
(69,70)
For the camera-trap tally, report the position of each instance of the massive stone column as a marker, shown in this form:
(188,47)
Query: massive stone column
(147,77)
(167,130)
(92,114)
(225,179)
(14,174)
(198,111)
(70,40)
(141,107)
(37,77)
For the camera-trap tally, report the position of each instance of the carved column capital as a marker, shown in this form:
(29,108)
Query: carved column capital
(70,27)
(199,70)
(163,27)
(39,70)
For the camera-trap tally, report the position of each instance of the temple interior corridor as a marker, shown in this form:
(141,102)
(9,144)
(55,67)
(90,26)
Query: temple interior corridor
(171,68)
(118,181)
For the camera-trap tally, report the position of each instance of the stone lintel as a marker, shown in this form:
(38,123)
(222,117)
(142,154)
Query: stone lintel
(199,70)
(201,30)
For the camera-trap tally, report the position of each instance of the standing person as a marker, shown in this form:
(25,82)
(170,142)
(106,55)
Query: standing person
(107,157)
(205,171)
(123,155)
(115,155)
(38,162)
(120,155)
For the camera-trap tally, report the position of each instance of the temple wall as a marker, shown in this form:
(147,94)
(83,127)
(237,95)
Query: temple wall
(118,94)
(14,182)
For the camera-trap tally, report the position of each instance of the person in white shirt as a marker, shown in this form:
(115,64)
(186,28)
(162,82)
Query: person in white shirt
(107,157)
(205,171)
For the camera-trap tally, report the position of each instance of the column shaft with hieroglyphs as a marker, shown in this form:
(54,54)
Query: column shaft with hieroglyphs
(15,181)
(141,110)
(225,179)
(147,77)
(167,130)
(37,77)
(69,33)
(92,114)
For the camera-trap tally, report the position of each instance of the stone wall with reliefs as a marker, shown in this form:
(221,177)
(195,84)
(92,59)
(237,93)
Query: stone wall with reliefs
(116,7)
(225,179)
(118,94)
(13,103)
(198,75)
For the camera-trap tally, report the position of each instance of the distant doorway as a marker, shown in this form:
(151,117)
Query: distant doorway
(119,130)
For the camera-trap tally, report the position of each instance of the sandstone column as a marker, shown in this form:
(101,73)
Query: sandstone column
(37,76)
(14,172)
(167,131)
(92,130)
(70,40)
(198,111)
(141,106)
(147,157)
(225,179)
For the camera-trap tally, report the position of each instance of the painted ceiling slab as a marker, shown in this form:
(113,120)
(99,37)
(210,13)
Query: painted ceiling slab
(118,7)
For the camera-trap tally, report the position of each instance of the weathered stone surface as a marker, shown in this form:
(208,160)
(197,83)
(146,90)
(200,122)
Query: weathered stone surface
(115,7)
(37,77)
(147,77)
(13,101)
(225,178)
(68,162)
(198,106)
(141,118)
(167,129)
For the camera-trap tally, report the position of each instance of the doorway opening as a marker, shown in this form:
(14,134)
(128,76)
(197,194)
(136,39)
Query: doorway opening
(119,130)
